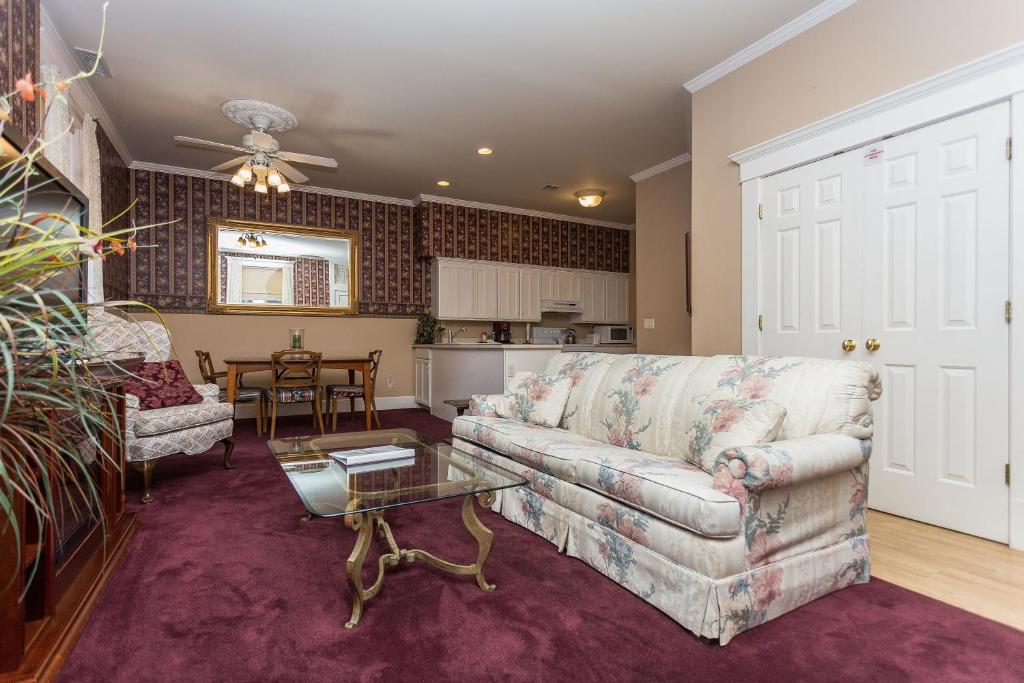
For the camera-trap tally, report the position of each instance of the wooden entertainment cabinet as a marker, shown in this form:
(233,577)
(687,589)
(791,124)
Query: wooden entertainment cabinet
(38,632)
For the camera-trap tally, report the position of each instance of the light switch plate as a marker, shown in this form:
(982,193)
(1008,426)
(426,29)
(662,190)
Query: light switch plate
(648,323)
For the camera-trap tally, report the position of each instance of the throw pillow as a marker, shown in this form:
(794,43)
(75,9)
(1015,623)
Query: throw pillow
(730,421)
(161,385)
(539,399)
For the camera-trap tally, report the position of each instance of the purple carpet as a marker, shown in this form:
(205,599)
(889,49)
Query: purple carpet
(224,582)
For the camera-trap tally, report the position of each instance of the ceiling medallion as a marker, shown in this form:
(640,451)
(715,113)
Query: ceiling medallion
(259,115)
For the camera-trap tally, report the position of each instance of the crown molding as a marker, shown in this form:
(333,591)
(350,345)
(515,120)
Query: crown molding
(660,168)
(419,199)
(988,79)
(808,19)
(81,94)
(199,173)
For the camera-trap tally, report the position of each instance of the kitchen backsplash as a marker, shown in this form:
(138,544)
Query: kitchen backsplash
(475,327)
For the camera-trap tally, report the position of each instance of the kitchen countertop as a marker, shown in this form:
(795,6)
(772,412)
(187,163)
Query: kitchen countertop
(478,345)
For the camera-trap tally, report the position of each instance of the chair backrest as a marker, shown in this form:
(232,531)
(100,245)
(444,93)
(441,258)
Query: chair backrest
(295,368)
(117,336)
(206,367)
(374,365)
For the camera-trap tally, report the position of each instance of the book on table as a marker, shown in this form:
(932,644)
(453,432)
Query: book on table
(373,454)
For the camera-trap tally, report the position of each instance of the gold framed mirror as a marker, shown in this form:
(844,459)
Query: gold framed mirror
(269,268)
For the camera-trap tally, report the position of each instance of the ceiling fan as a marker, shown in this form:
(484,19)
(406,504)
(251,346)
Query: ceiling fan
(262,158)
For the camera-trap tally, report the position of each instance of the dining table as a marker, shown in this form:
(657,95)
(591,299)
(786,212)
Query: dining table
(239,365)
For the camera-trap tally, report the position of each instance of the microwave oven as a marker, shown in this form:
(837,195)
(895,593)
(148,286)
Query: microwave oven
(614,334)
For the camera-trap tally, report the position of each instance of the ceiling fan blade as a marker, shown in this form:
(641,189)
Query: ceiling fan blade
(308,159)
(208,143)
(237,161)
(290,172)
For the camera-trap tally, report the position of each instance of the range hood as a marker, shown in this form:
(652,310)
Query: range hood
(557,306)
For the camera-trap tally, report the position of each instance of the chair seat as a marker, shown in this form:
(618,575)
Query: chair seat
(345,390)
(243,394)
(149,423)
(291,394)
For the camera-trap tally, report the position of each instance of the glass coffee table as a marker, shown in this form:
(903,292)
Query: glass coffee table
(362,494)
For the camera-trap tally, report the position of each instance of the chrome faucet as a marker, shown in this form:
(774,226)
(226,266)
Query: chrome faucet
(453,335)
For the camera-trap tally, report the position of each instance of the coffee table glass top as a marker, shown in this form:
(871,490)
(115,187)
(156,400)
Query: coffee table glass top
(329,489)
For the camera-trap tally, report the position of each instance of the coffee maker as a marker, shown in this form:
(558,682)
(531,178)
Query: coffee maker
(503,332)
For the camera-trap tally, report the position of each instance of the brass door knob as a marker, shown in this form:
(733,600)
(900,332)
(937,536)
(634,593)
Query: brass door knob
(873,344)
(849,345)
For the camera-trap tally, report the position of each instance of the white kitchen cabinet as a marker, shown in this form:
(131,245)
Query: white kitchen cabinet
(485,292)
(529,294)
(452,289)
(509,307)
(594,299)
(422,367)
(617,304)
(569,286)
(549,285)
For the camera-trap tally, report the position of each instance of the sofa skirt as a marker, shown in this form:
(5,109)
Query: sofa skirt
(715,608)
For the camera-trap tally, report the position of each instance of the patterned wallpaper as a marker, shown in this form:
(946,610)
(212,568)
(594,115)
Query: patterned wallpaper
(114,198)
(311,283)
(396,241)
(19,54)
(169,273)
(459,231)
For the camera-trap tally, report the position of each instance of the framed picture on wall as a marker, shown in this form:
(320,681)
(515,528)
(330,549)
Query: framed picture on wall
(689,304)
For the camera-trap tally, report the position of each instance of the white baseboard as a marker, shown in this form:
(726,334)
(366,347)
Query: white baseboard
(246,410)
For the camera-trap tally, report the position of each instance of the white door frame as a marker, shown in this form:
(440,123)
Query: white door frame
(995,78)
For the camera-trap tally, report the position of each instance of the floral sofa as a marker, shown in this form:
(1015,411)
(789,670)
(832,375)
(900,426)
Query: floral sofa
(769,528)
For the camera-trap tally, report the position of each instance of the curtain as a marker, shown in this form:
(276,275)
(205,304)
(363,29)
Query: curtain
(91,188)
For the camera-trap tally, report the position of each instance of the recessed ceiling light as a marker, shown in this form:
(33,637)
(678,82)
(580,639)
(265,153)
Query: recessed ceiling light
(485,151)
(444,183)
(590,198)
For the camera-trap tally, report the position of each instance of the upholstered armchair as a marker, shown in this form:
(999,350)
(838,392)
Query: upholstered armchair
(152,434)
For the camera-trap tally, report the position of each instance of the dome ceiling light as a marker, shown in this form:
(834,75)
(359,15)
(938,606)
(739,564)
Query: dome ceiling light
(590,197)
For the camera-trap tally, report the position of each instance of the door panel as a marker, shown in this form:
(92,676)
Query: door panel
(937,210)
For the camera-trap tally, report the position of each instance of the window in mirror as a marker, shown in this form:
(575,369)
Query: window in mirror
(273,268)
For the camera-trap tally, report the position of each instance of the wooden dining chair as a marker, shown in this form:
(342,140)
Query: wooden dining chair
(295,378)
(243,394)
(354,391)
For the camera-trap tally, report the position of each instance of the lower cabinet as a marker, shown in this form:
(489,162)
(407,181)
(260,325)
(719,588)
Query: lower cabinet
(422,368)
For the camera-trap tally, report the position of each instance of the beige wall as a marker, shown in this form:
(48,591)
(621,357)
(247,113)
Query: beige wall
(662,221)
(868,50)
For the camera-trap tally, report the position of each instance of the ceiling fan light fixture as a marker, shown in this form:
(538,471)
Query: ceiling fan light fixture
(273,178)
(590,198)
(245,173)
(260,187)
(241,241)
(237,180)
(283,187)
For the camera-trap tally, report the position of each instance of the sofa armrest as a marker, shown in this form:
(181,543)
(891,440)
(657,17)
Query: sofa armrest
(783,463)
(209,392)
(484,405)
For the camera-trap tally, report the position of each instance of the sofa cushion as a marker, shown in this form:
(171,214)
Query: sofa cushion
(668,488)
(161,384)
(550,450)
(177,418)
(729,422)
(539,399)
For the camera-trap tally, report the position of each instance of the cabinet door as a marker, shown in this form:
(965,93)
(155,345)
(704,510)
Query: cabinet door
(569,286)
(508,294)
(617,304)
(529,294)
(594,299)
(549,285)
(485,292)
(423,381)
(454,291)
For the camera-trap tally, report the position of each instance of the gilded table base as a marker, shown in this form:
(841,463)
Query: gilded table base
(366,522)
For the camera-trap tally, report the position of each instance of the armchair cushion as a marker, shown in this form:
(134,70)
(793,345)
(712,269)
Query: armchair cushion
(161,384)
(783,463)
(728,421)
(157,421)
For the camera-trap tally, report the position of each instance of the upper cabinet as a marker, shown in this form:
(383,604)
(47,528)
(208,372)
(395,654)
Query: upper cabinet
(484,290)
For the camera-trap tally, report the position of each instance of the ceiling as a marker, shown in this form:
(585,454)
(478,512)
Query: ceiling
(402,93)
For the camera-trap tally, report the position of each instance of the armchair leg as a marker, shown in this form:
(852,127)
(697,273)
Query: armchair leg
(146,467)
(229,448)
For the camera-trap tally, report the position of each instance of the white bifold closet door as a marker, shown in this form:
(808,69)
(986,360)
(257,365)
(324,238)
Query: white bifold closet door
(911,251)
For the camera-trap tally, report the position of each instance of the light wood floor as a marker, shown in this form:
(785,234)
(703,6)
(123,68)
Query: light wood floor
(980,576)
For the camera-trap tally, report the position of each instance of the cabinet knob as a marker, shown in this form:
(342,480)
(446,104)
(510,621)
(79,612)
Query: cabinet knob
(873,344)
(849,345)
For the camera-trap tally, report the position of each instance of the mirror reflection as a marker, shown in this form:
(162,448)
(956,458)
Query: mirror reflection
(283,267)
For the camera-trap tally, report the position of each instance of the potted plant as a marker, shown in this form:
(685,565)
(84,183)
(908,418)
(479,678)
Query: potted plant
(427,328)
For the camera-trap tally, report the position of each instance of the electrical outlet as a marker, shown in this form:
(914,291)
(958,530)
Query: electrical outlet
(648,323)
(391,381)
